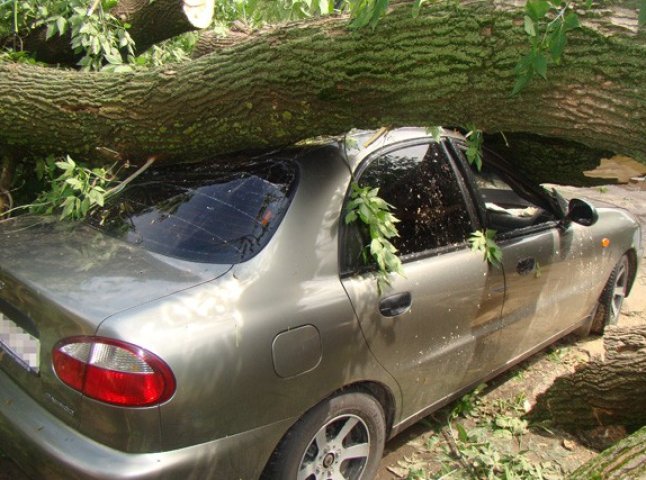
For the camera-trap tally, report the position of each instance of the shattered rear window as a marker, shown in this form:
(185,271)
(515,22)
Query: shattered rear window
(222,212)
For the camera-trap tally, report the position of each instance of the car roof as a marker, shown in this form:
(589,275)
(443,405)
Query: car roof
(360,144)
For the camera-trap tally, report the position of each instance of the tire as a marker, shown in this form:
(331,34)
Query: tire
(342,438)
(612,297)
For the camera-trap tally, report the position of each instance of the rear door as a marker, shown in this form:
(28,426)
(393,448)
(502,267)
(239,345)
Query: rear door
(434,328)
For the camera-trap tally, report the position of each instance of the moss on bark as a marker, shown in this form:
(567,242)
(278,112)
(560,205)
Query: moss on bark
(451,65)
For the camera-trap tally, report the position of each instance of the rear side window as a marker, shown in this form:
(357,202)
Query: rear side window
(421,185)
(419,182)
(222,212)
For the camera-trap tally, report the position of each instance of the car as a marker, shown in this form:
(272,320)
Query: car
(222,319)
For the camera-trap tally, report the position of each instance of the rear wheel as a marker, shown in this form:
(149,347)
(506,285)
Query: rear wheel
(342,438)
(612,297)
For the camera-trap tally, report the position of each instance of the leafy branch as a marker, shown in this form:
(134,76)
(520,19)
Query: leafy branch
(484,242)
(474,140)
(75,191)
(366,205)
(547,24)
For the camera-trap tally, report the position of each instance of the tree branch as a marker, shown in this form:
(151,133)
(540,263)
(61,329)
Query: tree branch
(150,23)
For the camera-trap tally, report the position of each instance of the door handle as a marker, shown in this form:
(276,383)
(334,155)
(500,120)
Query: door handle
(396,304)
(526,266)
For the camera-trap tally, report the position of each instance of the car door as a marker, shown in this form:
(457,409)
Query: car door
(434,327)
(541,267)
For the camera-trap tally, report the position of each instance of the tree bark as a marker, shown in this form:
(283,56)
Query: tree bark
(601,392)
(624,461)
(451,65)
(150,23)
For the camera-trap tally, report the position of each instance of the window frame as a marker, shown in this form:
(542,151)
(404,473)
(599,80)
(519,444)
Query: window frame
(350,270)
(534,190)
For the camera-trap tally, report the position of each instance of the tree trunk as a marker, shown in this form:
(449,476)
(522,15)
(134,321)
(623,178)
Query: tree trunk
(624,461)
(451,65)
(150,23)
(601,392)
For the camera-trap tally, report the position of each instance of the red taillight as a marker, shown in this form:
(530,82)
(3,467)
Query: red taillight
(113,371)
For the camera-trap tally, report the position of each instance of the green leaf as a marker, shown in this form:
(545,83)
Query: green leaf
(114,58)
(75,183)
(557,42)
(85,206)
(436,132)
(66,165)
(521,83)
(530,28)
(571,21)
(463,436)
(61,25)
(642,13)
(540,65)
(537,9)
(51,30)
(351,217)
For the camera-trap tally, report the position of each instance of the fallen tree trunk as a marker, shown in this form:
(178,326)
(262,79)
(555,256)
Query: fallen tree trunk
(451,65)
(604,392)
(625,460)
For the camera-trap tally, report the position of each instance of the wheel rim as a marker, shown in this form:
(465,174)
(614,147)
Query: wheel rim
(619,290)
(338,451)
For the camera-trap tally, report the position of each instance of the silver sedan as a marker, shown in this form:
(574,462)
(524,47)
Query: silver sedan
(221,319)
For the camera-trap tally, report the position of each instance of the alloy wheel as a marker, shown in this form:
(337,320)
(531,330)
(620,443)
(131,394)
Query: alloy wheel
(338,451)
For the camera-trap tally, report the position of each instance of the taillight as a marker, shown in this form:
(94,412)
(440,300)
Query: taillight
(113,371)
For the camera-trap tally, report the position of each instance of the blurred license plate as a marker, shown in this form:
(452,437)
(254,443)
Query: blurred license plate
(21,345)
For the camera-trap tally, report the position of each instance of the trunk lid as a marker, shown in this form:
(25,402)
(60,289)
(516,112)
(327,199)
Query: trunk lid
(61,279)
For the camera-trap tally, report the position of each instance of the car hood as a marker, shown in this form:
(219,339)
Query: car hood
(86,272)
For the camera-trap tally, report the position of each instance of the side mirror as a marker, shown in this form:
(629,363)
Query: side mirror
(581,212)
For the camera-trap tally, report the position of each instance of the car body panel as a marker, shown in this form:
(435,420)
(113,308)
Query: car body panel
(435,347)
(45,447)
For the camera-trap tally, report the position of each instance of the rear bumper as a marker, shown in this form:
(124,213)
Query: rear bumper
(47,448)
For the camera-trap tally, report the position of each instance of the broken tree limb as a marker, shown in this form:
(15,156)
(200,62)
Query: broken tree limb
(625,460)
(611,391)
(150,23)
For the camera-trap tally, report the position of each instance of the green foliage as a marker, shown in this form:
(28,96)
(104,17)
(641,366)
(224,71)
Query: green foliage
(509,425)
(74,189)
(174,50)
(468,404)
(642,13)
(546,24)
(484,242)
(261,12)
(435,132)
(484,461)
(367,12)
(101,39)
(474,139)
(13,56)
(366,205)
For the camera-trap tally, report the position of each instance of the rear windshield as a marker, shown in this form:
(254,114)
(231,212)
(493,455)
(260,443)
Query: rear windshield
(223,212)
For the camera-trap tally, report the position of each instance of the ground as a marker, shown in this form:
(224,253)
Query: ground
(486,428)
